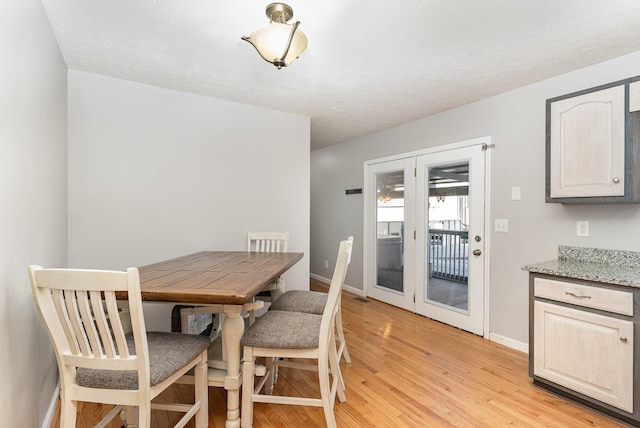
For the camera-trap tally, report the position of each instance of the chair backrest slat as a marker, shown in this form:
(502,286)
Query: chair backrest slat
(268,242)
(268,246)
(116,326)
(77,328)
(58,302)
(105,346)
(88,323)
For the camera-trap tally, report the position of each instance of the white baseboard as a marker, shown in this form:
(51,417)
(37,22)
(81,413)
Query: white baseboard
(320,278)
(509,343)
(345,287)
(52,408)
(353,290)
(502,340)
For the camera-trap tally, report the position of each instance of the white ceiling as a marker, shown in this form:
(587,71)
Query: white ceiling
(370,64)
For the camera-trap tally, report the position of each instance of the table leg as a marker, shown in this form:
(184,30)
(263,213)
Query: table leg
(232,330)
(278,291)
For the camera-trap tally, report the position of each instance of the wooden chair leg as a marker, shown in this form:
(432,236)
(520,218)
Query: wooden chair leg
(68,413)
(342,351)
(272,375)
(131,414)
(325,393)
(336,373)
(201,393)
(248,368)
(144,415)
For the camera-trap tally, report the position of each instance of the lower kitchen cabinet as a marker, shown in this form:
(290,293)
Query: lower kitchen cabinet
(588,353)
(583,343)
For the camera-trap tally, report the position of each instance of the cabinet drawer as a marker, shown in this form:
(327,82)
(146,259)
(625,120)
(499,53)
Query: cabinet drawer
(619,302)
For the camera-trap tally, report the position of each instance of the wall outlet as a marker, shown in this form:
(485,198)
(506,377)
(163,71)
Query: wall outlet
(582,228)
(326,264)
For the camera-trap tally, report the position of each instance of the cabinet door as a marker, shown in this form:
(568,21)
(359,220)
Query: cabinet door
(586,144)
(586,352)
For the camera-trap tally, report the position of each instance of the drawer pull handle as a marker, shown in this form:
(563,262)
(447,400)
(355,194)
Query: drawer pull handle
(579,296)
(623,339)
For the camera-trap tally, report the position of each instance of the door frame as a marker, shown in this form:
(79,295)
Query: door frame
(369,219)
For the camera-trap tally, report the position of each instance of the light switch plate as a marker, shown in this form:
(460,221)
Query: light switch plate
(516,193)
(502,225)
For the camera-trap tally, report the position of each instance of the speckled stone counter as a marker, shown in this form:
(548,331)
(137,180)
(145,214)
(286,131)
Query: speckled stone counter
(593,264)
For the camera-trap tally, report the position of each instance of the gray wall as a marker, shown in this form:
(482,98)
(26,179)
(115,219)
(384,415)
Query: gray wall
(155,174)
(516,123)
(33,213)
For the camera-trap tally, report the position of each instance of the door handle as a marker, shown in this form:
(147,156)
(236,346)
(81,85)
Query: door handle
(477,252)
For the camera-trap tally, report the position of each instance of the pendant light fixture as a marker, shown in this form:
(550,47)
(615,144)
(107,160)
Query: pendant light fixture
(279,43)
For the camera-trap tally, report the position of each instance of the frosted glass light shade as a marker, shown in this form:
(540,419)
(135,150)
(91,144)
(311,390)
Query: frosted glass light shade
(271,43)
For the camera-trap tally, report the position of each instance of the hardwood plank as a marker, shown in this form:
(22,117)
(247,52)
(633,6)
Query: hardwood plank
(407,371)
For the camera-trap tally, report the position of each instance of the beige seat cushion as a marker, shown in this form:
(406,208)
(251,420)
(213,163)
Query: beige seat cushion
(284,330)
(168,353)
(310,302)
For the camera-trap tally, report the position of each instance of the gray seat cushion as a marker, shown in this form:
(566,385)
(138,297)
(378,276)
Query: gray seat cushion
(284,330)
(168,353)
(310,302)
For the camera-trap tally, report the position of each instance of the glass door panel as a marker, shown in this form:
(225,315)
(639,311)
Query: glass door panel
(390,230)
(448,247)
(390,213)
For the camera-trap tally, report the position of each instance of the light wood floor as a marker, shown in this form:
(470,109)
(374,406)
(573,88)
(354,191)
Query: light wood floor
(407,371)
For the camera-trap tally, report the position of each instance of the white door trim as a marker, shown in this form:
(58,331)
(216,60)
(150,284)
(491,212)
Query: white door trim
(487,235)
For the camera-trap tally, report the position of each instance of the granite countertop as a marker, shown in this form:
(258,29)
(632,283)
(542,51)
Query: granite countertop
(593,264)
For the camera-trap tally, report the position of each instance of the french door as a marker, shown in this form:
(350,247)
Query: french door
(391,273)
(450,237)
(425,241)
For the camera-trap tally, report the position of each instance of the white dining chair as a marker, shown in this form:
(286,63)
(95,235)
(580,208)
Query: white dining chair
(269,242)
(98,362)
(287,334)
(313,302)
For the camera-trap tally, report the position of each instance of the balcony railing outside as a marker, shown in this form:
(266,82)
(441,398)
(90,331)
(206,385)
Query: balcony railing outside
(448,252)
(448,248)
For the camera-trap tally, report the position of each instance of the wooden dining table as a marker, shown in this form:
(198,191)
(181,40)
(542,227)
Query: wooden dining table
(227,282)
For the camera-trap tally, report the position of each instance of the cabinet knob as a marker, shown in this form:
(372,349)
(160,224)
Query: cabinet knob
(616,180)
(623,339)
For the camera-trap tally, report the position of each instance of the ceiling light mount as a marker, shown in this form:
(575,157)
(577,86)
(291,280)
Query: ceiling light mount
(279,12)
(279,43)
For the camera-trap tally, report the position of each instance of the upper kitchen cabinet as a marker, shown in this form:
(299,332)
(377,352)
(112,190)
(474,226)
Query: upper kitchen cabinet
(593,139)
